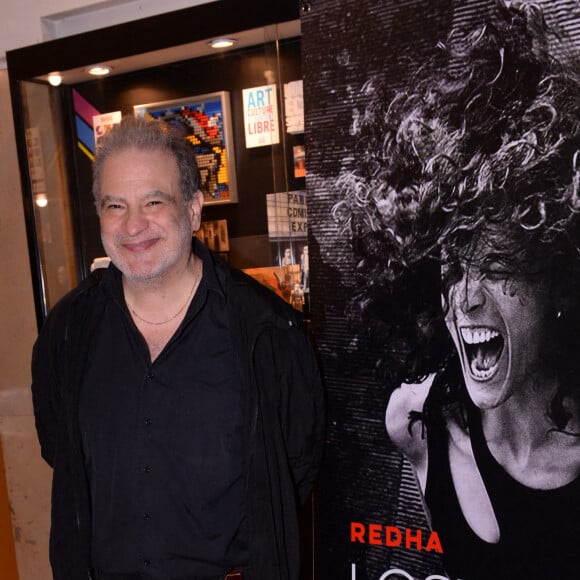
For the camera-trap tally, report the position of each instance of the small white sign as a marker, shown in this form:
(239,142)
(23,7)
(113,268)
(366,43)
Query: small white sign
(287,215)
(261,116)
(102,123)
(294,107)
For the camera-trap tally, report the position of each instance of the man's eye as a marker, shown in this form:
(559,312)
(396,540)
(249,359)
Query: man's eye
(155,202)
(113,206)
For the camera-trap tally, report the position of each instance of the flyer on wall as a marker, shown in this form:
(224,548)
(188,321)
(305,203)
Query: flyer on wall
(444,232)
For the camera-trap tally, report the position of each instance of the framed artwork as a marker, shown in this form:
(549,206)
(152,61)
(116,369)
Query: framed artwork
(207,122)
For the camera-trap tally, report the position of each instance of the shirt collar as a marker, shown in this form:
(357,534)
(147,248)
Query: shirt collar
(209,277)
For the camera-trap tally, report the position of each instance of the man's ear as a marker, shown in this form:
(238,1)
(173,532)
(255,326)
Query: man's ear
(195,206)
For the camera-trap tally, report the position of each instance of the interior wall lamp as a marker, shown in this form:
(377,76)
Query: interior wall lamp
(41,200)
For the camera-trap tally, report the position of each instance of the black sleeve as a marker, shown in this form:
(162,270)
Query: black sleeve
(46,385)
(302,411)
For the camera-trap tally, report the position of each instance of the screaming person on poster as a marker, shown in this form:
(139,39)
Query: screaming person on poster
(464,213)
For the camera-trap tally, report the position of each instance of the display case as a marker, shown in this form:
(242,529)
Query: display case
(156,66)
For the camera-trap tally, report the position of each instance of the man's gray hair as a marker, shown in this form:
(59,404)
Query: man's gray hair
(149,135)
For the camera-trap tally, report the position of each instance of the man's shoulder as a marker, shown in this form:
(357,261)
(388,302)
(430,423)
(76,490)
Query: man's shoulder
(80,296)
(256,300)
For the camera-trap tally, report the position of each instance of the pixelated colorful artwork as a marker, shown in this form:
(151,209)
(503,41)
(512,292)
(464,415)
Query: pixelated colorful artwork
(84,114)
(207,125)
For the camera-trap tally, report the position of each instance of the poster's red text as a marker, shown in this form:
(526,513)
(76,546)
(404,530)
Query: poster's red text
(394,537)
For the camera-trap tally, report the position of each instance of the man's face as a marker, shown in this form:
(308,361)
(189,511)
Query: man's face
(146,229)
(498,325)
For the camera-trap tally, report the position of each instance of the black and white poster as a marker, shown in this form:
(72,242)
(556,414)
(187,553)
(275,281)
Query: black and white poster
(443,181)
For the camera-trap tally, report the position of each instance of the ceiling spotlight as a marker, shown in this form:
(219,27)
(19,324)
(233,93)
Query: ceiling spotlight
(99,70)
(222,42)
(54,78)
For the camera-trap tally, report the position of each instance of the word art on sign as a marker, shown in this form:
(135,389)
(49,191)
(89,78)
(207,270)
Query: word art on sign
(261,116)
(287,215)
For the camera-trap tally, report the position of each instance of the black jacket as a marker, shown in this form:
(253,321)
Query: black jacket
(283,410)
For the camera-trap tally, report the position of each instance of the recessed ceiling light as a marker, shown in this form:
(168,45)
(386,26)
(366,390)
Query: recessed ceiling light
(54,78)
(99,70)
(222,42)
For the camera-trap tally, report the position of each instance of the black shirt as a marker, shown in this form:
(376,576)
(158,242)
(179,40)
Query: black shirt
(163,442)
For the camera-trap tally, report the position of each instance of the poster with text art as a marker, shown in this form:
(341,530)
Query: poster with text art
(261,123)
(443,142)
(207,125)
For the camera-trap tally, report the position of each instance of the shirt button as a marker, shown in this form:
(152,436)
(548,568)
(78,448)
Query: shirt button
(149,376)
(146,517)
(147,469)
(148,421)
(146,562)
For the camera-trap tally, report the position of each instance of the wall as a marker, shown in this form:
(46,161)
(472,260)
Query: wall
(28,478)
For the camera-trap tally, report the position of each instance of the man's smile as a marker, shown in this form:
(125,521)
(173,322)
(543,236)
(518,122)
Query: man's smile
(139,246)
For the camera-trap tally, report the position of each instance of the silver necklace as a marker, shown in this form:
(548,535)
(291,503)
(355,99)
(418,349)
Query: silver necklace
(195,280)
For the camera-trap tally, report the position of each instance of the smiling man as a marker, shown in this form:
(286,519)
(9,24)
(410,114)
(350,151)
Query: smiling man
(177,400)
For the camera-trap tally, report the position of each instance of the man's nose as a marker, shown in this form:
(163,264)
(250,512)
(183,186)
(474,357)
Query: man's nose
(136,221)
